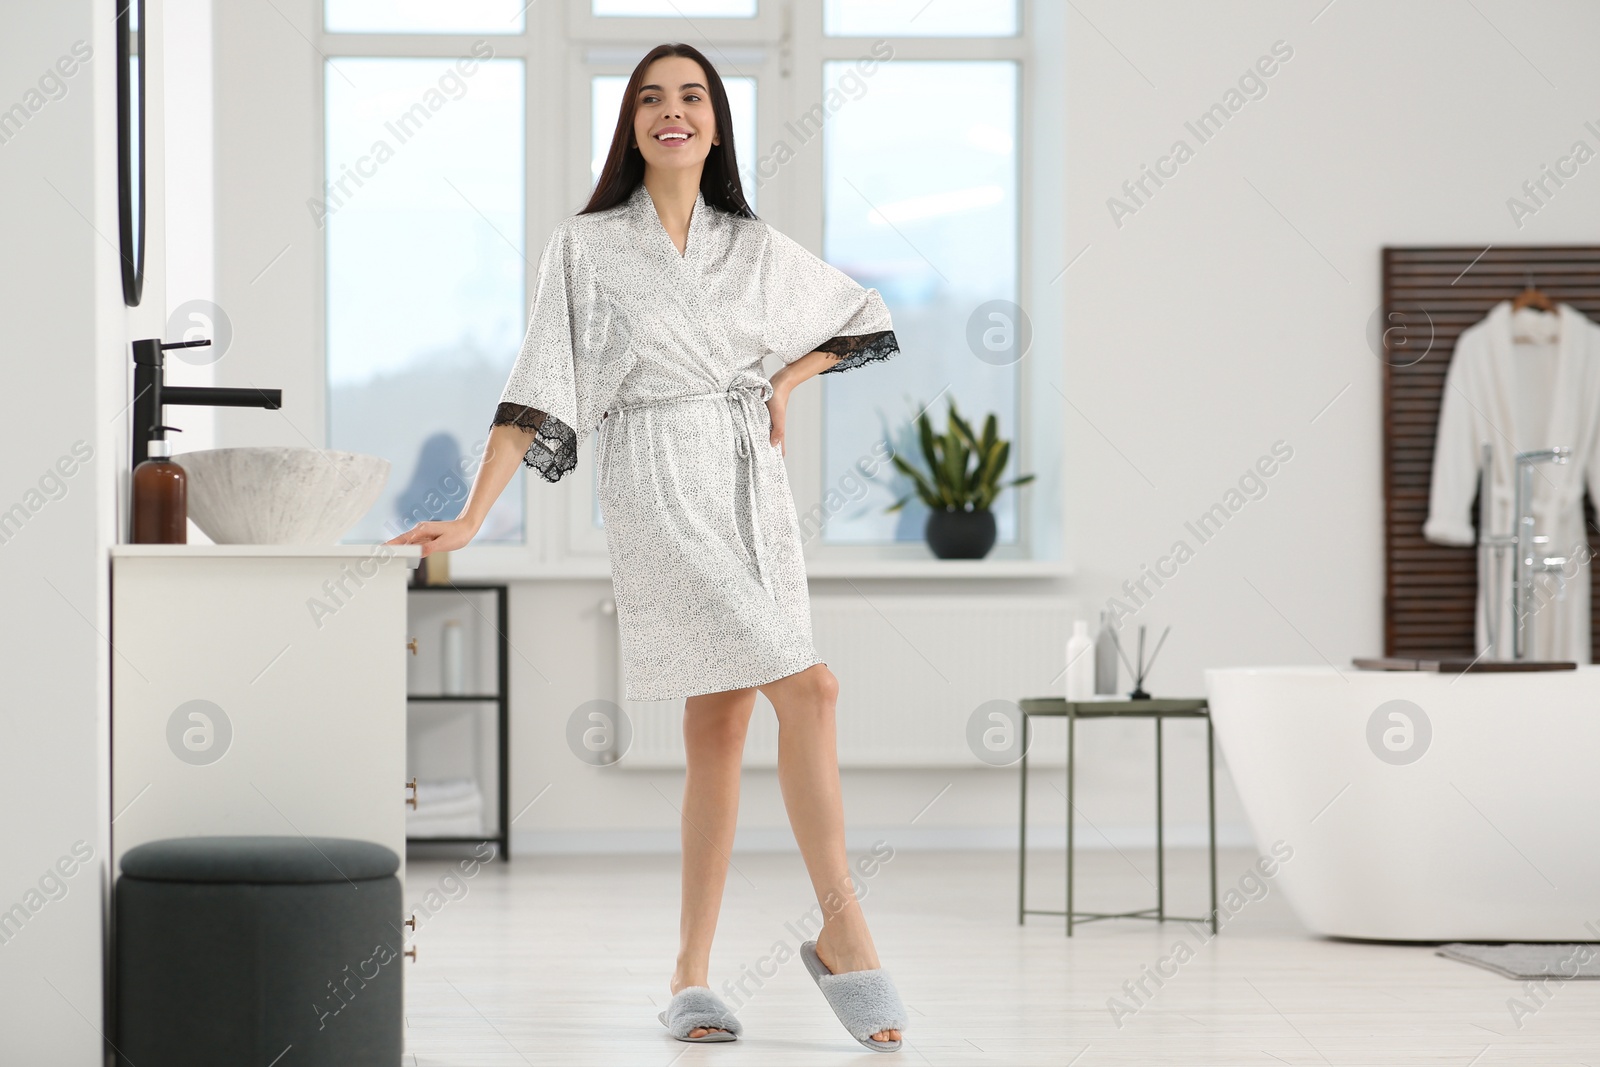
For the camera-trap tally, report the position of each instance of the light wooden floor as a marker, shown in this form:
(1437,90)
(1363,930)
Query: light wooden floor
(565,960)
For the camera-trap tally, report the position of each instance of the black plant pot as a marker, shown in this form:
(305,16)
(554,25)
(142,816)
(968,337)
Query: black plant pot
(960,534)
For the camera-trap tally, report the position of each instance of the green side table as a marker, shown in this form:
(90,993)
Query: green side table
(1156,709)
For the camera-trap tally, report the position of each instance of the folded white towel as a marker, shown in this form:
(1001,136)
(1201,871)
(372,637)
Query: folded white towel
(447,807)
(456,826)
(433,790)
(426,809)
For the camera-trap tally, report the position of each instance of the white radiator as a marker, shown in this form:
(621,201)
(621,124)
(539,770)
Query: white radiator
(911,671)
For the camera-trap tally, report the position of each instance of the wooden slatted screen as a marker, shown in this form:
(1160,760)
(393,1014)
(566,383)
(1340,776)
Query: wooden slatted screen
(1430,295)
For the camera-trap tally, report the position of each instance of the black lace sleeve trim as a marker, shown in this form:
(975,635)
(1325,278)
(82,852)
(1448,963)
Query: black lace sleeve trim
(554,448)
(860,348)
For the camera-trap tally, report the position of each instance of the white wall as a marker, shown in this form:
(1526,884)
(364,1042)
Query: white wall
(1231,310)
(68,361)
(190,235)
(268,273)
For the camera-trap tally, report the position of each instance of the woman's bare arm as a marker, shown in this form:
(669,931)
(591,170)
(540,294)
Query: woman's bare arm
(807,366)
(501,456)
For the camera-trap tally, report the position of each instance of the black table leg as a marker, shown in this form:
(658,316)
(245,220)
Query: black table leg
(1072,736)
(1161,851)
(1022,841)
(1211,817)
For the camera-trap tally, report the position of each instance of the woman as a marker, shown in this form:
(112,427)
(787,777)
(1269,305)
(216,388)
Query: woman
(653,310)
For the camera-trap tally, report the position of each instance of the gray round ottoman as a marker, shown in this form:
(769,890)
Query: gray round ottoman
(259,950)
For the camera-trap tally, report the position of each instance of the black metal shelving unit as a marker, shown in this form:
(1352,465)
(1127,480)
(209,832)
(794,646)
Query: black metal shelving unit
(501,698)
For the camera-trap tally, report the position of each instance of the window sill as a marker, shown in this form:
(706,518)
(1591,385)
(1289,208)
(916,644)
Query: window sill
(903,569)
(937,568)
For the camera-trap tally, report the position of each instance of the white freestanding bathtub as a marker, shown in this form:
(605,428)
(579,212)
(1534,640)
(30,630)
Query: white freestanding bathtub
(1475,819)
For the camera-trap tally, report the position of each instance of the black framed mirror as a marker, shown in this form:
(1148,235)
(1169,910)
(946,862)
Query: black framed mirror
(130,146)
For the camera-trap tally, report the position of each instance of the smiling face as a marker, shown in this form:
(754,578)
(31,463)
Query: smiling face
(674,125)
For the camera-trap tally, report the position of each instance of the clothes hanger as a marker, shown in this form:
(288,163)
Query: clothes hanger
(1532,297)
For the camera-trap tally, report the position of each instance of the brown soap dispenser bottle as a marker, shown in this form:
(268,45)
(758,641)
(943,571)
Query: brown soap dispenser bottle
(160,497)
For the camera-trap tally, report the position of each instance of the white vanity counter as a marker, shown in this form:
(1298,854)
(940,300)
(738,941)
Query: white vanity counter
(258,689)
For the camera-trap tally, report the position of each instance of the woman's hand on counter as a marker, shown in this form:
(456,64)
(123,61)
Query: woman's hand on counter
(501,457)
(444,536)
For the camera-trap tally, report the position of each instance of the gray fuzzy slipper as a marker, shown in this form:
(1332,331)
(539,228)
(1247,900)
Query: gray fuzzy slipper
(697,1005)
(865,1001)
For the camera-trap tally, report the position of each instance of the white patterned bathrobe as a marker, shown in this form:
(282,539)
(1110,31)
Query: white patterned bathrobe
(662,353)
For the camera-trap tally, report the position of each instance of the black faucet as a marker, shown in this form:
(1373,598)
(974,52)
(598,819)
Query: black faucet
(151,394)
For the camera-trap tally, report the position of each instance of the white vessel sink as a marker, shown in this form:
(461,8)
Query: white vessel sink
(280,496)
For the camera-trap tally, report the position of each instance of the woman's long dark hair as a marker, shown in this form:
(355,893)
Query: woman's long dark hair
(624,169)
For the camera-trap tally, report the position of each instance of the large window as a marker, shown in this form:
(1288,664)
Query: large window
(921,203)
(456,134)
(423,215)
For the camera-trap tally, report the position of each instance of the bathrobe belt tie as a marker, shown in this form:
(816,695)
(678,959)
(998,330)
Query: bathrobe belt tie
(743,401)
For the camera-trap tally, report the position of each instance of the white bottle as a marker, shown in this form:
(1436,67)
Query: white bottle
(1105,657)
(452,659)
(1080,663)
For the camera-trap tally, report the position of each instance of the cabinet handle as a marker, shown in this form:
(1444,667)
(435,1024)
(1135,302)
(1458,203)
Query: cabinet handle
(411,952)
(412,645)
(412,799)
(411,922)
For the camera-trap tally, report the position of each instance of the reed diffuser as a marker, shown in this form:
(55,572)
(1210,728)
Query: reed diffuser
(1143,669)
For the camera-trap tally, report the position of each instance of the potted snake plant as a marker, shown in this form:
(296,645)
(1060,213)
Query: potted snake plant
(962,480)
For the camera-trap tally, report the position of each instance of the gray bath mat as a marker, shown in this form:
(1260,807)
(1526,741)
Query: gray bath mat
(1529,960)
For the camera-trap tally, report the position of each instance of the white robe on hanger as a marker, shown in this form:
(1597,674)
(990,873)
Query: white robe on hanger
(1498,391)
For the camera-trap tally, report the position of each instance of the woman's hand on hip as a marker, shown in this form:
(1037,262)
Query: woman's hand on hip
(778,409)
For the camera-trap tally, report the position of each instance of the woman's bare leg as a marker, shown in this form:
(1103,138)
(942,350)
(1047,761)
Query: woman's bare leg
(714,727)
(808,773)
